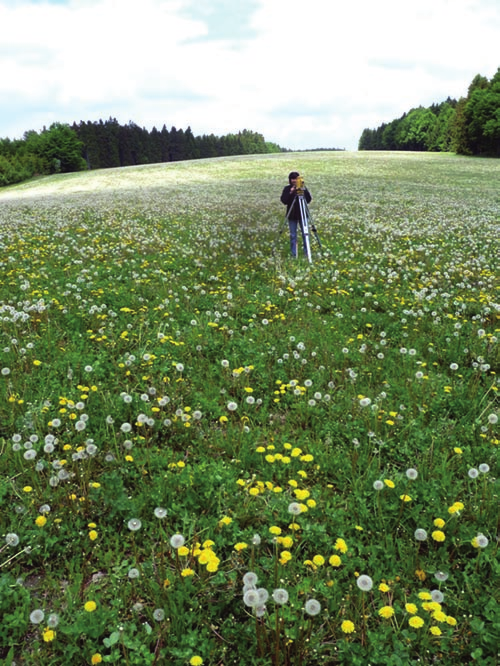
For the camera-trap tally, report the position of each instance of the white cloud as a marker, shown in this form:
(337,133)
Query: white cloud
(305,75)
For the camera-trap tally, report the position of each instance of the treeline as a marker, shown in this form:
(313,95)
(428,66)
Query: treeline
(469,126)
(98,145)
(109,144)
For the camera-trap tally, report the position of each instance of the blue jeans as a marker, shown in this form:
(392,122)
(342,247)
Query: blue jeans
(292,225)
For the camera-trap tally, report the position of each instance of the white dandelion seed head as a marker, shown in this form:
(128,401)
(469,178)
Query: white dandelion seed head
(312,607)
(53,620)
(473,473)
(294,508)
(484,468)
(134,524)
(133,573)
(280,596)
(11,539)
(420,534)
(482,541)
(250,579)
(251,598)
(160,512)
(364,583)
(177,540)
(256,540)
(437,596)
(441,576)
(378,484)
(365,402)
(37,616)
(411,473)
(492,419)
(159,614)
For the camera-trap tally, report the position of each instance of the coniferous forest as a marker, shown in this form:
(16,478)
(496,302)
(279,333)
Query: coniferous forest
(99,145)
(469,126)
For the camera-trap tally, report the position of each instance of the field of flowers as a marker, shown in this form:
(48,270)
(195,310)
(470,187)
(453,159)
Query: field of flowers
(212,453)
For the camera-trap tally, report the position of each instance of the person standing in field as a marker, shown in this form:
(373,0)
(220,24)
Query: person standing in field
(289,199)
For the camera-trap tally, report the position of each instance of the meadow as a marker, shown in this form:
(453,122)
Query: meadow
(211,453)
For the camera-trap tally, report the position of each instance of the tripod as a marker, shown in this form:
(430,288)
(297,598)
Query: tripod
(305,219)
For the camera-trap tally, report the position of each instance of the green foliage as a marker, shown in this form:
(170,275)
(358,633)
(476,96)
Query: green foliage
(470,126)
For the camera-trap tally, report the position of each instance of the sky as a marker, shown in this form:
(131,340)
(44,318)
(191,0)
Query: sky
(305,75)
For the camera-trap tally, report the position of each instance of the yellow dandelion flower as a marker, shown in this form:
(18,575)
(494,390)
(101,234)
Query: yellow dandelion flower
(386,612)
(451,621)
(285,556)
(49,635)
(238,547)
(411,608)
(420,574)
(96,658)
(287,542)
(425,596)
(439,522)
(226,520)
(41,521)
(335,561)
(213,565)
(437,535)
(347,627)
(195,661)
(185,573)
(436,631)
(389,483)
(341,545)
(416,622)
(383,587)
(318,560)
(183,551)
(90,606)
(405,498)
(93,535)
(275,530)
(439,616)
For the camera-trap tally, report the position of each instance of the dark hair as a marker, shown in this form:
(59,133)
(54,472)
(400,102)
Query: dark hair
(293,174)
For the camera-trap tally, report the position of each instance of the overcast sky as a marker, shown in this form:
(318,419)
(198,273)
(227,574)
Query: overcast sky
(304,73)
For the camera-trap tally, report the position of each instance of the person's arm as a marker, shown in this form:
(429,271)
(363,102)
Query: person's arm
(307,195)
(287,195)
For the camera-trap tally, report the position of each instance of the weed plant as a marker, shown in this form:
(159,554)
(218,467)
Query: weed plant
(214,454)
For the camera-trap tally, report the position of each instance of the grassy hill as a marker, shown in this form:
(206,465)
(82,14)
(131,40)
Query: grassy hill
(213,453)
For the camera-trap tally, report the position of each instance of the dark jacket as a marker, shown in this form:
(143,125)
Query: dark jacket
(291,202)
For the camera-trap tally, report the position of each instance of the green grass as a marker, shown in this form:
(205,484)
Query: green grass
(168,371)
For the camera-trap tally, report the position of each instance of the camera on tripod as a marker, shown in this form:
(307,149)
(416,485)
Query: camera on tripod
(300,186)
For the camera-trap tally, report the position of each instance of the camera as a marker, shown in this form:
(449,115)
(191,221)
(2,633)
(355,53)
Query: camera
(300,187)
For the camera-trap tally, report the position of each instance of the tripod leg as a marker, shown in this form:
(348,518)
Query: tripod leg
(304,221)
